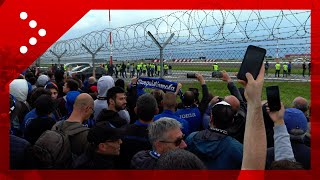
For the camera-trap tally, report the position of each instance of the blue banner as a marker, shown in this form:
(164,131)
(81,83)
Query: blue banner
(156,83)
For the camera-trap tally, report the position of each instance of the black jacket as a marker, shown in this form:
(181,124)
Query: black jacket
(94,160)
(19,158)
(237,130)
(111,117)
(144,160)
(135,140)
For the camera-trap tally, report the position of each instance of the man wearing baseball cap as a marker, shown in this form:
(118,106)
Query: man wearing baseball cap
(296,123)
(104,147)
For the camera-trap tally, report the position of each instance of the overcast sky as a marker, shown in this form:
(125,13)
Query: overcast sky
(99,20)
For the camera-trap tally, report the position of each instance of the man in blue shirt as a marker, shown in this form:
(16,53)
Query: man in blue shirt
(191,112)
(169,104)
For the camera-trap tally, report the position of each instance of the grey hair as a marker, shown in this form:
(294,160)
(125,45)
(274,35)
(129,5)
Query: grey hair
(158,129)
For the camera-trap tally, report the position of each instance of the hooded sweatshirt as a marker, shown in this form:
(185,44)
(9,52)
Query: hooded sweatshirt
(70,99)
(19,89)
(217,151)
(104,84)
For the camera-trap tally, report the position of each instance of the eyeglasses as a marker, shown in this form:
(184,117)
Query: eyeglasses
(177,142)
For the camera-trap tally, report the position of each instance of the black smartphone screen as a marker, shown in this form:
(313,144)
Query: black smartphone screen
(273,97)
(252,62)
(191,75)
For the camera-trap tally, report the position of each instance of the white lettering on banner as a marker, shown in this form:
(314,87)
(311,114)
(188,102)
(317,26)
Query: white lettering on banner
(190,115)
(156,84)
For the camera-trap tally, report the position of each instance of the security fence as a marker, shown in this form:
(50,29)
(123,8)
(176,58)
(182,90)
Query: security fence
(202,38)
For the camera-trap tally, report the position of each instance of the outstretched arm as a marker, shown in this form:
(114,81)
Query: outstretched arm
(255,141)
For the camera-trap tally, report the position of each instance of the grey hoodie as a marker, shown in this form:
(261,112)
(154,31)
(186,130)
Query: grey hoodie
(19,89)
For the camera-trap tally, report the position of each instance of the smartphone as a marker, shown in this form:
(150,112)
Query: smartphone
(252,62)
(273,98)
(217,74)
(191,75)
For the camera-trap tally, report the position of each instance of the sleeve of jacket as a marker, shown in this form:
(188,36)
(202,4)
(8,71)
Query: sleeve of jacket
(235,92)
(282,144)
(204,101)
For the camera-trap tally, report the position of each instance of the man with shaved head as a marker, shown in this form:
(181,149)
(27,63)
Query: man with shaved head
(238,106)
(82,110)
(301,104)
(169,103)
(234,102)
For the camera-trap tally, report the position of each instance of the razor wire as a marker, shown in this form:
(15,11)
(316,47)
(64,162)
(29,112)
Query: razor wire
(197,32)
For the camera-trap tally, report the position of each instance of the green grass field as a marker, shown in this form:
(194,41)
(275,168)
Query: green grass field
(228,69)
(288,90)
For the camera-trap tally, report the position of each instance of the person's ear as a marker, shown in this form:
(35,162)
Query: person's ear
(158,146)
(111,101)
(156,111)
(102,147)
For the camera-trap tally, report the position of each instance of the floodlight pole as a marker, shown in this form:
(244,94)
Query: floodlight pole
(161,49)
(58,56)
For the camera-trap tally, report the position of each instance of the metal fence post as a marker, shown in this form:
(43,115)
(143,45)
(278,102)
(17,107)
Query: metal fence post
(161,49)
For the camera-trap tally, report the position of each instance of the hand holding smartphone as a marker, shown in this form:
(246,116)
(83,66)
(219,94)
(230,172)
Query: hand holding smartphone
(252,62)
(273,98)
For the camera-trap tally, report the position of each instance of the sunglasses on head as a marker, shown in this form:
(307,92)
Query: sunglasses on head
(177,142)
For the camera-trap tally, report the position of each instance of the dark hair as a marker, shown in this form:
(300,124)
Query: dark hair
(286,165)
(49,74)
(72,84)
(44,105)
(78,81)
(119,83)
(222,116)
(146,107)
(35,93)
(196,93)
(112,92)
(58,75)
(179,159)
(188,98)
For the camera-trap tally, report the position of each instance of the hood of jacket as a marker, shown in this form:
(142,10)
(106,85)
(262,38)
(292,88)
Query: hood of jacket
(104,84)
(19,89)
(70,99)
(206,144)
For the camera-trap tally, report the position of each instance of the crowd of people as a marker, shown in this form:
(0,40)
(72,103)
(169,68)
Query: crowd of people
(138,69)
(286,68)
(60,122)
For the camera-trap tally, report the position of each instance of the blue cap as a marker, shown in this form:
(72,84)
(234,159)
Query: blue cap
(295,121)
